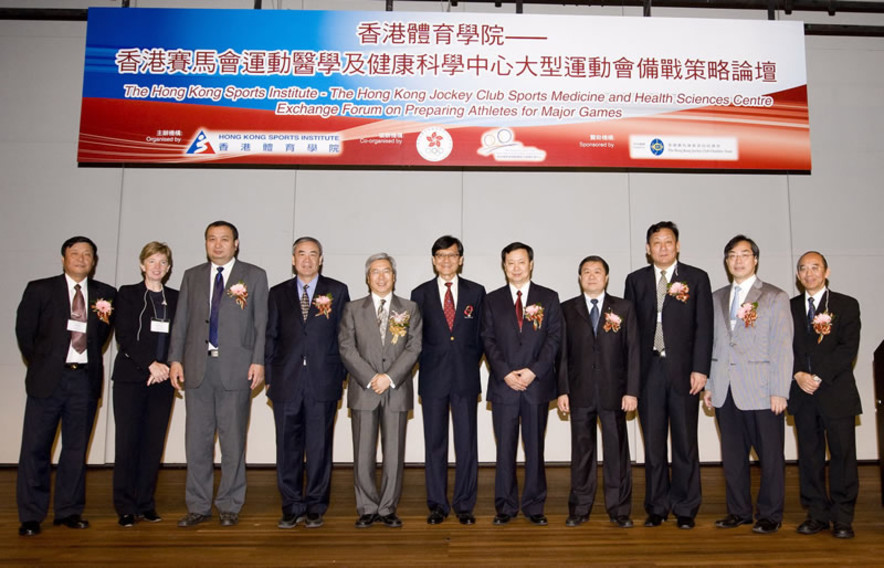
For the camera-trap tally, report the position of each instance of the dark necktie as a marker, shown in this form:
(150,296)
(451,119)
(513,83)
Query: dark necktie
(519,316)
(78,313)
(217,292)
(594,316)
(811,312)
(305,303)
(448,306)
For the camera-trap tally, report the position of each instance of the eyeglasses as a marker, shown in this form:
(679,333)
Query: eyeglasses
(742,255)
(446,255)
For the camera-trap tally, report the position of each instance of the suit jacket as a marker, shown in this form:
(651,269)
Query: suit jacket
(755,361)
(241,331)
(303,356)
(364,356)
(507,349)
(43,336)
(687,326)
(831,359)
(449,360)
(137,343)
(609,359)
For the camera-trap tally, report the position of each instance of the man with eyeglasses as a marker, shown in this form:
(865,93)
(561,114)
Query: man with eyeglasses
(749,386)
(451,307)
(824,399)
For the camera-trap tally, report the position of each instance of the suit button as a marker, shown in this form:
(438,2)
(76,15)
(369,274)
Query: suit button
(452,338)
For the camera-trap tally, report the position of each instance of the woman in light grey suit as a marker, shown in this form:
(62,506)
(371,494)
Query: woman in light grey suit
(749,386)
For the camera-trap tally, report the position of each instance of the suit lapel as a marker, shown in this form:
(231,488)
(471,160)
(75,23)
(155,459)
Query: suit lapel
(291,293)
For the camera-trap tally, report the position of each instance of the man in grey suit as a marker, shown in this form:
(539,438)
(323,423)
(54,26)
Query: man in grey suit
(749,386)
(380,341)
(218,343)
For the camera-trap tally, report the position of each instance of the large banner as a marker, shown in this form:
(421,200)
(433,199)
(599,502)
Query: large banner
(168,86)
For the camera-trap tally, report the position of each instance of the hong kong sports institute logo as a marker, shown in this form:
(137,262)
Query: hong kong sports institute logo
(434,144)
(200,145)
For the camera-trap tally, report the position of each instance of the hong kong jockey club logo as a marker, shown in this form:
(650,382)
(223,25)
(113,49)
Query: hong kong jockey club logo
(200,145)
(656,146)
(434,144)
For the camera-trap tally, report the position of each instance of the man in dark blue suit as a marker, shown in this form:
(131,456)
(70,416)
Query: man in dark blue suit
(449,379)
(305,378)
(673,306)
(62,326)
(824,399)
(522,334)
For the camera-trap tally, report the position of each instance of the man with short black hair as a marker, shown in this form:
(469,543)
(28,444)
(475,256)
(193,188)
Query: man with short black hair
(218,344)
(673,305)
(522,334)
(451,307)
(749,386)
(62,326)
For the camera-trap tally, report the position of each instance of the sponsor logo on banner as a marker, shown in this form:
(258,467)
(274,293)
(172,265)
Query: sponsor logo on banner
(200,145)
(502,145)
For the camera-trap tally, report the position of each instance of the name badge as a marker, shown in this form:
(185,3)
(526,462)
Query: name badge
(159,326)
(78,326)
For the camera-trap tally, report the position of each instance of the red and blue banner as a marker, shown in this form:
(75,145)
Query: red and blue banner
(170,86)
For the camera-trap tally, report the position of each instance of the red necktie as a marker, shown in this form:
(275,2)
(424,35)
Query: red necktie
(448,306)
(519,316)
(78,313)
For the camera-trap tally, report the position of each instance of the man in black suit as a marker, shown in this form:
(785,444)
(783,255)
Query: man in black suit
(449,379)
(62,326)
(522,334)
(823,398)
(305,378)
(673,303)
(599,381)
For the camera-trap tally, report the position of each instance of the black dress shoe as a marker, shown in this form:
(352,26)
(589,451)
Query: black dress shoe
(812,526)
(622,521)
(127,521)
(685,523)
(576,520)
(437,515)
(766,526)
(501,519)
(29,528)
(392,521)
(193,519)
(314,521)
(539,520)
(366,521)
(228,519)
(731,522)
(654,520)
(842,531)
(290,521)
(72,522)
(466,518)
(150,516)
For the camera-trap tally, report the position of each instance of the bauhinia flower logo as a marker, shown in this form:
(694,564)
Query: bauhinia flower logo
(679,290)
(468,312)
(103,309)
(399,322)
(612,322)
(822,324)
(748,313)
(534,314)
(323,304)
(434,139)
(240,293)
